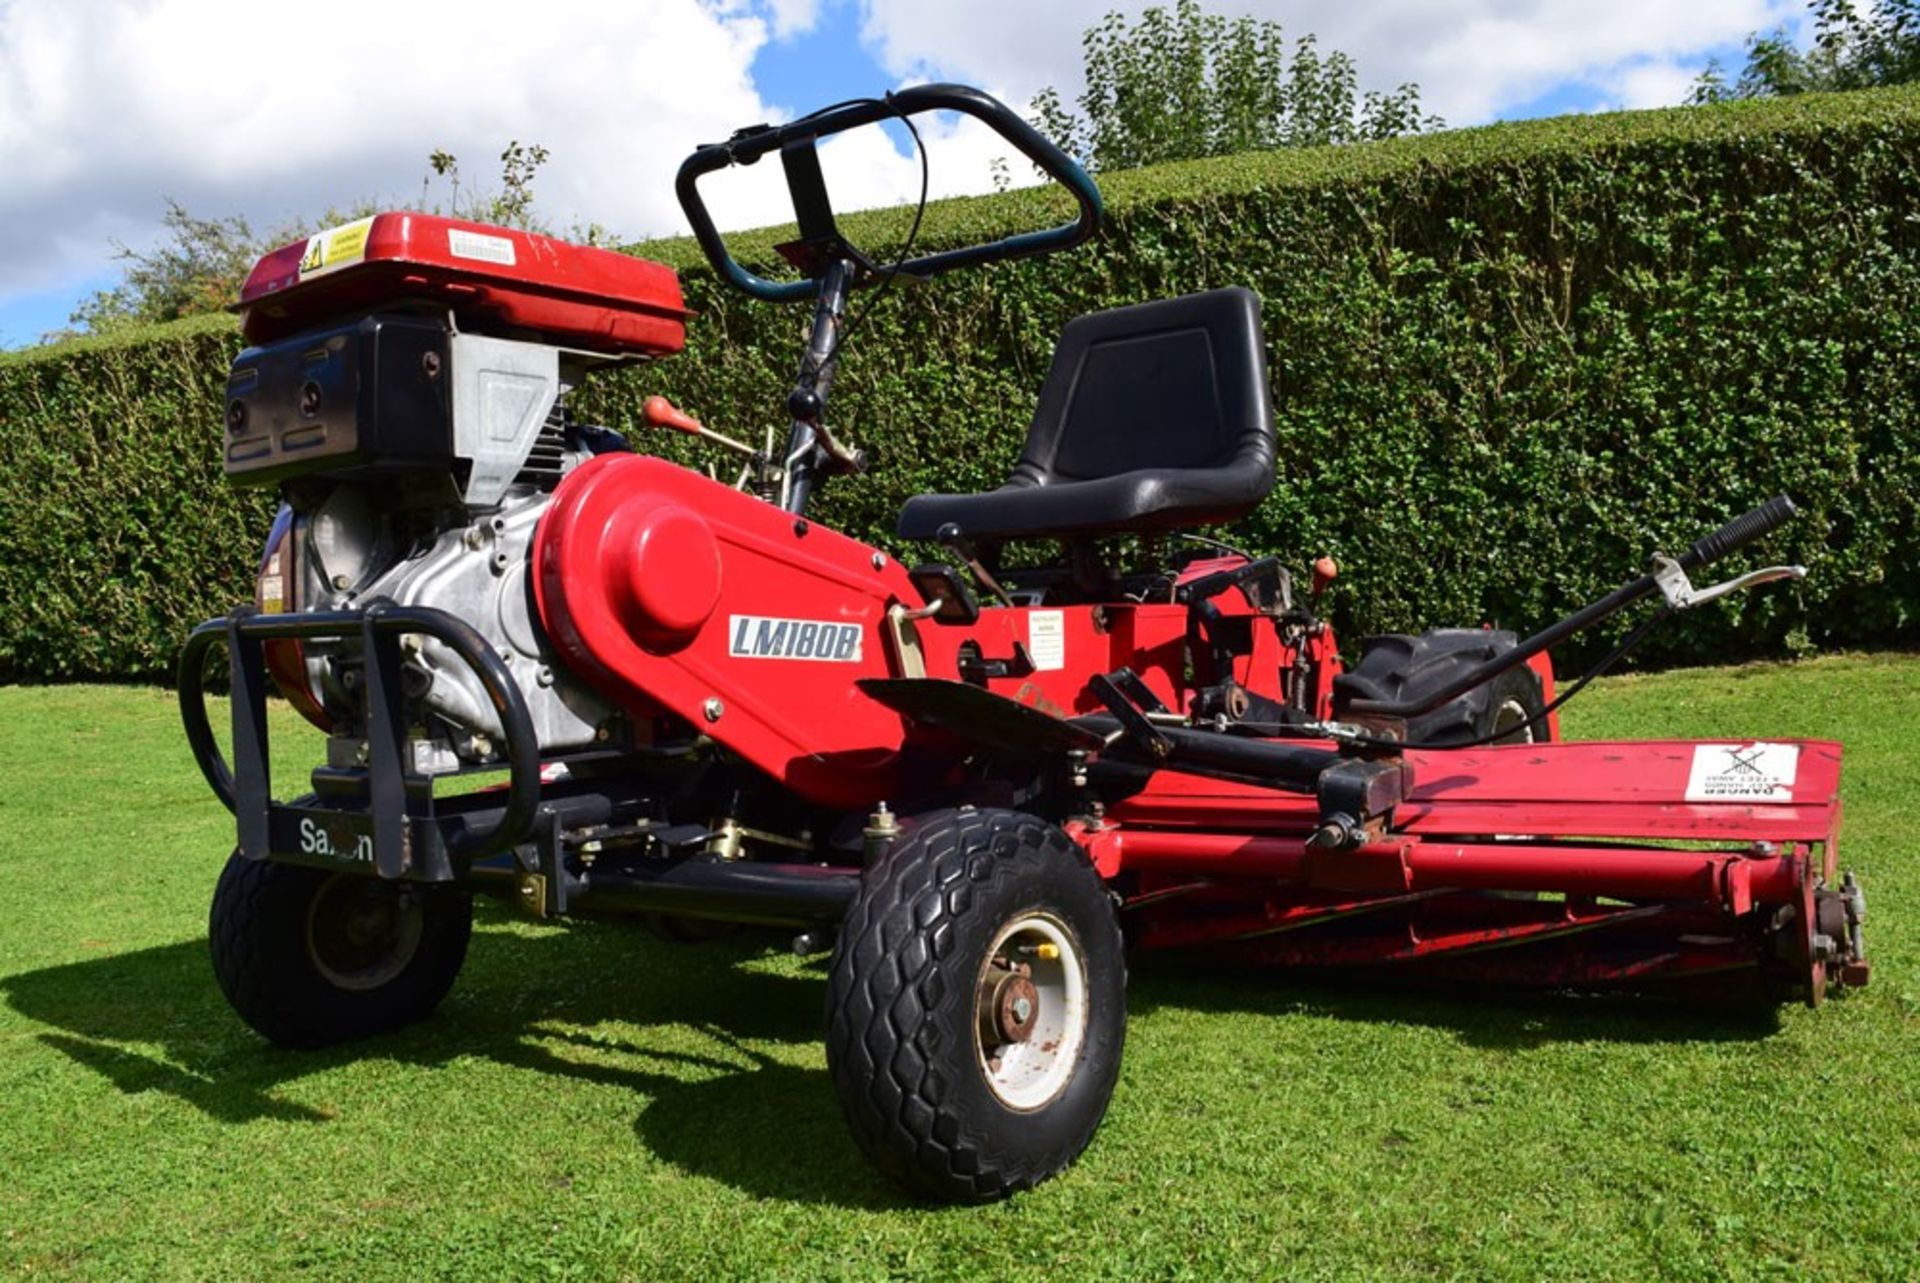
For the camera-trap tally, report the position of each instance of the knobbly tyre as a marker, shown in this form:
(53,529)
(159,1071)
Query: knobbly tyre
(972,783)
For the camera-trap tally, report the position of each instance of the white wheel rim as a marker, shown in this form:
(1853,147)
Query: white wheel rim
(1510,716)
(1028,1073)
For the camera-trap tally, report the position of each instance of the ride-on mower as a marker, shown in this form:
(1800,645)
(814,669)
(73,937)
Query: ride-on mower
(976,781)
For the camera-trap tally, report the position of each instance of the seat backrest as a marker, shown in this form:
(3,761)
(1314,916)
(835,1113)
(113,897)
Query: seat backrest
(1179,383)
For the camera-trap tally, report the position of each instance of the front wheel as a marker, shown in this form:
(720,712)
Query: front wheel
(977,1006)
(311,958)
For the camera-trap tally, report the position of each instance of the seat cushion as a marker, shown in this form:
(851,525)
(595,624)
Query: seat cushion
(1151,499)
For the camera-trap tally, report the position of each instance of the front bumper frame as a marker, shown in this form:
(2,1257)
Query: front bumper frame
(397,827)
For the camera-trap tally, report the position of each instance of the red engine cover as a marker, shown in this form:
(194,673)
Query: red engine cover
(493,279)
(672,592)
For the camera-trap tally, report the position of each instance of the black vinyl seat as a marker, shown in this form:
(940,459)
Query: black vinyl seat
(1152,416)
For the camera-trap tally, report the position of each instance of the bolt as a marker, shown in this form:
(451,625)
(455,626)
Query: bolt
(340,583)
(1022,1009)
(430,364)
(713,708)
(310,398)
(236,416)
(544,676)
(879,561)
(474,538)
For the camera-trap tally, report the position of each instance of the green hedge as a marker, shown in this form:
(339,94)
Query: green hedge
(1506,361)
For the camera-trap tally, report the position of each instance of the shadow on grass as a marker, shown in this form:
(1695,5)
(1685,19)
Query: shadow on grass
(1478,1015)
(153,1020)
(759,1125)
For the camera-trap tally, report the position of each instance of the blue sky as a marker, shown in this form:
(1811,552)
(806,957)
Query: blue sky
(109,106)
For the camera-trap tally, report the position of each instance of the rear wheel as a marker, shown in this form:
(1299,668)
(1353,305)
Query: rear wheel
(1397,667)
(310,958)
(1513,707)
(977,1006)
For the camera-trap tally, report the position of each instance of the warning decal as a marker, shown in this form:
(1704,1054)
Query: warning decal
(335,247)
(1755,772)
(488,249)
(1047,639)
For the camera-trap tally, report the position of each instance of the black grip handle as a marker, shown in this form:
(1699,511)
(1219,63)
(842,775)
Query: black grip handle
(1738,533)
(749,145)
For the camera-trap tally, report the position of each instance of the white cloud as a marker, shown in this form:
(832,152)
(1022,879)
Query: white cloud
(276,110)
(1471,58)
(1659,82)
(793,17)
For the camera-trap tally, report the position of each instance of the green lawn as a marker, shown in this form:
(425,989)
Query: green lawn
(590,1103)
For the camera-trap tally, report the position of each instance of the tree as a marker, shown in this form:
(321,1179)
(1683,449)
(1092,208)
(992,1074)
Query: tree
(200,263)
(1182,84)
(1851,50)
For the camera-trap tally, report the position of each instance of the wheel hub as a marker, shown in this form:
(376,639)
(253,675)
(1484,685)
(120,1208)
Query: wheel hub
(361,934)
(1030,1011)
(1014,1005)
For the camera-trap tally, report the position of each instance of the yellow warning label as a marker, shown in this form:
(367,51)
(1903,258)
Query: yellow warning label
(335,247)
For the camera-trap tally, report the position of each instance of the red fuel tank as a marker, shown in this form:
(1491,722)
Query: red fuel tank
(495,280)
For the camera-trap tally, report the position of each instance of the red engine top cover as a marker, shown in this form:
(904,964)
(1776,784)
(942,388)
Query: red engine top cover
(495,280)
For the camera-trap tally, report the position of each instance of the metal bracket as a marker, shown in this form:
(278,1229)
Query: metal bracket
(1682,595)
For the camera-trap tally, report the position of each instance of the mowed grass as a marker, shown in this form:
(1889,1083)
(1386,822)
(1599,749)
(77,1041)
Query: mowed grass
(590,1103)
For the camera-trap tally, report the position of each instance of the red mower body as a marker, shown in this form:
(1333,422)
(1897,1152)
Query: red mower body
(975,781)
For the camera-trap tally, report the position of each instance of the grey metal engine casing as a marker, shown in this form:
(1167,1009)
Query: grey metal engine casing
(481,572)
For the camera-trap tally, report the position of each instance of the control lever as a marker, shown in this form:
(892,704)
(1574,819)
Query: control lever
(1682,595)
(658,412)
(960,546)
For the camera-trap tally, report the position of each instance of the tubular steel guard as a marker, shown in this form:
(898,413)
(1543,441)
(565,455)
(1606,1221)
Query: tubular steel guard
(748,146)
(246,786)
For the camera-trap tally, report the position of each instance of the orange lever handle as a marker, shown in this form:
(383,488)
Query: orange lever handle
(662,413)
(1324,573)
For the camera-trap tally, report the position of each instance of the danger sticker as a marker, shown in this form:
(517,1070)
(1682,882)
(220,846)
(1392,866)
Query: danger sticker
(335,247)
(488,249)
(1047,639)
(1743,773)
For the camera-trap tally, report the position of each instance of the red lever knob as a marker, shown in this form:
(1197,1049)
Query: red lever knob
(1324,572)
(661,413)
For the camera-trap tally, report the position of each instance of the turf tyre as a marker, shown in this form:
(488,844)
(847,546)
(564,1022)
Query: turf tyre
(262,931)
(903,985)
(1399,666)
